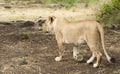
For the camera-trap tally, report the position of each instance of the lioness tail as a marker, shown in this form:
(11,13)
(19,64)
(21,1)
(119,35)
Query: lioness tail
(101,31)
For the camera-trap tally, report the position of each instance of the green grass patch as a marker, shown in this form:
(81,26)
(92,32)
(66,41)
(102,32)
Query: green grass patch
(24,36)
(109,14)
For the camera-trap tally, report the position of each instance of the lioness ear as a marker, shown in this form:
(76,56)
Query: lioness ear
(51,18)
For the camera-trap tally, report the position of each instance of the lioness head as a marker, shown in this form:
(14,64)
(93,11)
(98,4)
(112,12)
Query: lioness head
(48,26)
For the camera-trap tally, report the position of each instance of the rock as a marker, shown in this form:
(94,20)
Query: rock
(41,22)
(6,23)
(23,62)
(112,27)
(7,7)
(22,23)
(28,23)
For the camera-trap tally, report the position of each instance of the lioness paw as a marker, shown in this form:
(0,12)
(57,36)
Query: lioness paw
(89,61)
(78,57)
(95,65)
(58,58)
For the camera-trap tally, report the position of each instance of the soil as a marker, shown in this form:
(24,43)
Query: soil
(27,50)
(35,55)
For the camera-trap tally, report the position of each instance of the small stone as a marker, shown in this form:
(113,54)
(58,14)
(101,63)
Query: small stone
(23,62)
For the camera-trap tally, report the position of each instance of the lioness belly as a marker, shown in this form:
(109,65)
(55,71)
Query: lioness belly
(74,39)
(73,35)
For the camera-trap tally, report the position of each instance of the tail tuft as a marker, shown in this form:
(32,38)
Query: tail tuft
(112,60)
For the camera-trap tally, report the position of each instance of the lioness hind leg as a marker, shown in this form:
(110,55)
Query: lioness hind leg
(95,49)
(60,51)
(99,57)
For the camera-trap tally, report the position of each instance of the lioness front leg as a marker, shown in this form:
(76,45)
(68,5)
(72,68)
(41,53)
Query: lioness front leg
(91,58)
(60,51)
(76,54)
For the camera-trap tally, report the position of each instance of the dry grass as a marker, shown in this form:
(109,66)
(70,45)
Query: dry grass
(34,13)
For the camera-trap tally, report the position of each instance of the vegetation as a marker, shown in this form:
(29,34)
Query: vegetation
(24,36)
(54,1)
(68,3)
(110,14)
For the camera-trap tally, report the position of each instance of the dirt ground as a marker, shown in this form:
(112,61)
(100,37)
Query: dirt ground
(35,55)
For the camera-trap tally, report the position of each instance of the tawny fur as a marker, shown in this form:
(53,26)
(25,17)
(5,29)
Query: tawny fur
(89,31)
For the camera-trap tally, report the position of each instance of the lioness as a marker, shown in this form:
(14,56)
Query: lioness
(90,32)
